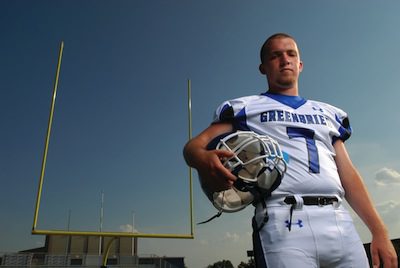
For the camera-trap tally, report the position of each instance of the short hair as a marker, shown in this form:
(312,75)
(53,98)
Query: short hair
(265,46)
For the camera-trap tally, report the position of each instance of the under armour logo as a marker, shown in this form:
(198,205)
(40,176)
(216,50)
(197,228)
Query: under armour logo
(317,109)
(298,223)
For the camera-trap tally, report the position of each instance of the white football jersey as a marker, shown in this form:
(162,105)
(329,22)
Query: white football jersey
(305,130)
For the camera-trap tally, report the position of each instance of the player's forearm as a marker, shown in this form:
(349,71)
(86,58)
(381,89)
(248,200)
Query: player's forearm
(359,199)
(382,249)
(193,150)
(356,193)
(196,147)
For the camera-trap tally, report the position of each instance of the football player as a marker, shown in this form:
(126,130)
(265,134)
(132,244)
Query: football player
(308,226)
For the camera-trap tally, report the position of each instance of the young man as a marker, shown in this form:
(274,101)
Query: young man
(307,226)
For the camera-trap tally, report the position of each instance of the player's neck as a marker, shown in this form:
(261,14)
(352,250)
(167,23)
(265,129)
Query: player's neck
(293,91)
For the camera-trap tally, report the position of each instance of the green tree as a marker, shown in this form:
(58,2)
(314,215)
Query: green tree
(221,264)
(249,264)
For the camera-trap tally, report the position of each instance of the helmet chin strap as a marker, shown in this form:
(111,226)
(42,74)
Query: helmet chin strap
(265,219)
(259,197)
(219,213)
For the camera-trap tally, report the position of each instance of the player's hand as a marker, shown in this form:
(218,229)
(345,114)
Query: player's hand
(382,250)
(214,177)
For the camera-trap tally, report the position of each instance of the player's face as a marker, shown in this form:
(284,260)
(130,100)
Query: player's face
(282,64)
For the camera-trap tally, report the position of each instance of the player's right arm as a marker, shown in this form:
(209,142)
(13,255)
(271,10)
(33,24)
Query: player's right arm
(382,249)
(214,177)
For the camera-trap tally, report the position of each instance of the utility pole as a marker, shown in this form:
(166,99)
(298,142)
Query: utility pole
(68,237)
(134,240)
(101,221)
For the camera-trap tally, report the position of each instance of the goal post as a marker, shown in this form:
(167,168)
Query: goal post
(38,231)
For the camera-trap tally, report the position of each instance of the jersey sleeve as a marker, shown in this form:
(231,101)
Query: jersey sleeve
(232,111)
(343,126)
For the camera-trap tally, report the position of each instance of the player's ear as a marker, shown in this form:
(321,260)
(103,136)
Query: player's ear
(261,67)
(301,66)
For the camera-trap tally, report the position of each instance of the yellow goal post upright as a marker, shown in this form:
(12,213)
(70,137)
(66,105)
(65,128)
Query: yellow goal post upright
(36,231)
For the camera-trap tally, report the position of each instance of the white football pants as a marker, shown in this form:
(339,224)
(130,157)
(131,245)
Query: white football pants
(320,237)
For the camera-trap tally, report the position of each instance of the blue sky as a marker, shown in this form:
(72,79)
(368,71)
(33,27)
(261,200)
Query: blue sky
(121,120)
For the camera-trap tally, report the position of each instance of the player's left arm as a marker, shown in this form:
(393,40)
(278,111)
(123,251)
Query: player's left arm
(357,196)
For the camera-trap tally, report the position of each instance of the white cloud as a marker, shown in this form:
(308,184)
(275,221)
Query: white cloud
(387,176)
(127,228)
(390,207)
(390,214)
(232,236)
(388,210)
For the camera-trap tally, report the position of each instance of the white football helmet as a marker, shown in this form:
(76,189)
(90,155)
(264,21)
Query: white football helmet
(257,163)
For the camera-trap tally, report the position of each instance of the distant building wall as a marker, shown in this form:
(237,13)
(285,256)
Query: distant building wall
(93,245)
(83,251)
(78,245)
(57,244)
